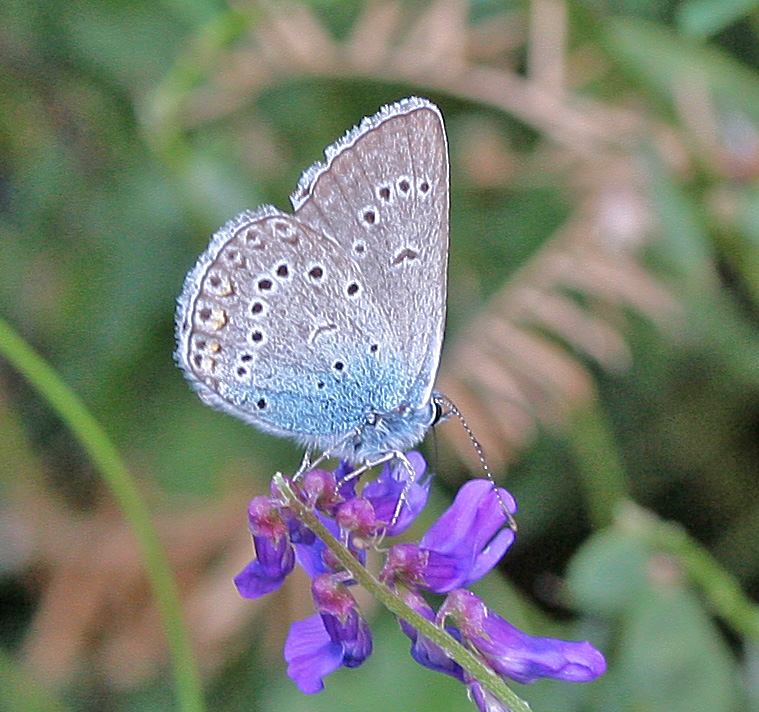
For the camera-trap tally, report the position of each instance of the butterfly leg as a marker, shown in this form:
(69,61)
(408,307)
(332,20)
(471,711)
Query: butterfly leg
(381,460)
(406,488)
(306,465)
(388,457)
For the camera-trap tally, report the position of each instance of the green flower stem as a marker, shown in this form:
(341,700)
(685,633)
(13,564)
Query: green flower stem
(394,604)
(96,443)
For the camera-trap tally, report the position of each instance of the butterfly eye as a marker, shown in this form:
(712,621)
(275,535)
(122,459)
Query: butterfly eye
(438,414)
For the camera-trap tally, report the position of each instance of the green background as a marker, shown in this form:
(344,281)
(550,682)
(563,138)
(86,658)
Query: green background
(129,131)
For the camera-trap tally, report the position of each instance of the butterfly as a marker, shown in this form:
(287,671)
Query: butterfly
(326,325)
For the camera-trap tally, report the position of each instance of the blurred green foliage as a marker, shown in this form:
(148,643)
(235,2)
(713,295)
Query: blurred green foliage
(111,181)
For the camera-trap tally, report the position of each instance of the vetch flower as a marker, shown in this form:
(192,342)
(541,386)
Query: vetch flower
(393,483)
(466,542)
(275,557)
(300,517)
(423,650)
(311,654)
(357,516)
(353,519)
(485,700)
(338,636)
(320,490)
(342,619)
(514,654)
(315,558)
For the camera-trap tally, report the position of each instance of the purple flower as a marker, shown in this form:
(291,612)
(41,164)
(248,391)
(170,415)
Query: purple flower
(311,654)
(355,520)
(342,619)
(338,636)
(485,700)
(423,650)
(358,517)
(320,490)
(315,558)
(394,482)
(514,654)
(466,542)
(275,557)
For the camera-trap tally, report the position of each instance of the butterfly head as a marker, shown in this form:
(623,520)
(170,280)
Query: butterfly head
(398,430)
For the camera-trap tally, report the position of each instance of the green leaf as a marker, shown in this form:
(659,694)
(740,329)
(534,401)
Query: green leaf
(703,18)
(672,657)
(670,64)
(607,573)
(683,248)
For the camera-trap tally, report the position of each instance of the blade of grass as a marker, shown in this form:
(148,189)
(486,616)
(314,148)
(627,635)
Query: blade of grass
(98,445)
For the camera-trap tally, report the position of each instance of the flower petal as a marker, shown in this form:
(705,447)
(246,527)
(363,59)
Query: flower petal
(468,539)
(254,582)
(515,654)
(311,654)
(485,700)
(266,573)
(487,559)
(394,482)
(423,650)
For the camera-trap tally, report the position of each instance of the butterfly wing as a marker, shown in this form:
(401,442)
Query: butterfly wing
(302,325)
(383,195)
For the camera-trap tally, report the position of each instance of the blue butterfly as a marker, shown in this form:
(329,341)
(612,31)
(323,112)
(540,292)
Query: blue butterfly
(326,325)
